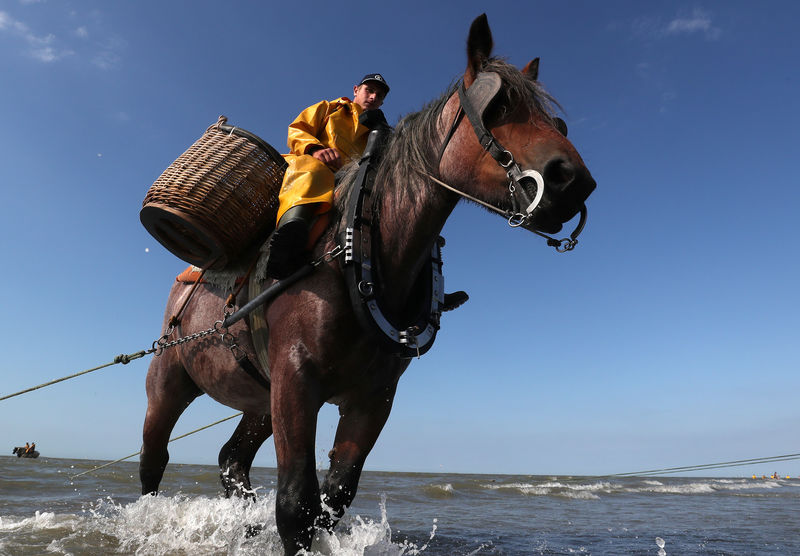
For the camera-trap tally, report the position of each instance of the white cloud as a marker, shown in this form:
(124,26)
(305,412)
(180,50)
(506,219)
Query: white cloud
(46,54)
(40,47)
(698,22)
(105,60)
(49,54)
(47,48)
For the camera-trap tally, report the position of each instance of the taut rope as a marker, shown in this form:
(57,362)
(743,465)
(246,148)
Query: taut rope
(124,359)
(170,440)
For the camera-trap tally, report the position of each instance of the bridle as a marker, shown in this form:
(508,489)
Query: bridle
(474,102)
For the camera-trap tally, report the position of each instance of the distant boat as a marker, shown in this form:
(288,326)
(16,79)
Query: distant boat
(21,453)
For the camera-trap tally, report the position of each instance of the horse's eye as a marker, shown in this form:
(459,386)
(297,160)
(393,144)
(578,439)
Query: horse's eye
(560,125)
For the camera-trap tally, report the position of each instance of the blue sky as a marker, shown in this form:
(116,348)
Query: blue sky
(667,338)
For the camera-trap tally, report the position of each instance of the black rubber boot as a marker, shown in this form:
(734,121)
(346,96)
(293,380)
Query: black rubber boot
(287,246)
(454,300)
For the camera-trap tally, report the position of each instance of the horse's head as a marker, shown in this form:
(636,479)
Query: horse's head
(515,156)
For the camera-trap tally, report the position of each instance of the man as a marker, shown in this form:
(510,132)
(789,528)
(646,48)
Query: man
(321,140)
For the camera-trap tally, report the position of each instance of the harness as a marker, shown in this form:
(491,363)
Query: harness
(413,336)
(474,102)
(359,242)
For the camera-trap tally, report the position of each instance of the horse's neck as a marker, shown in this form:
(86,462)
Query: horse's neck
(411,209)
(411,218)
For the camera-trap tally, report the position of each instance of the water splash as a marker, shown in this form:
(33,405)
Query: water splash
(183,525)
(660,543)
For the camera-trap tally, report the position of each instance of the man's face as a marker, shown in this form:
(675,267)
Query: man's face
(369,96)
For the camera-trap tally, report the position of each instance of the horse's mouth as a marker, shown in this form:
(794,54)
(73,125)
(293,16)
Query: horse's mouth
(546,223)
(550,220)
(553,212)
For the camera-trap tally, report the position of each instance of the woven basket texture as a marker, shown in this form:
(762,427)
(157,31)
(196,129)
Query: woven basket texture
(217,198)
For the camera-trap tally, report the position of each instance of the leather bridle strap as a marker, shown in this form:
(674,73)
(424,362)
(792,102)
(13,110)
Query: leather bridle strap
(474,102)
(484,90)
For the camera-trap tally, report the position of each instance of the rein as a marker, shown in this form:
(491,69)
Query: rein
(474,102)
(562,245)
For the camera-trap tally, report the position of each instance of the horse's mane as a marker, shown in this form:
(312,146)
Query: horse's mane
(408,154)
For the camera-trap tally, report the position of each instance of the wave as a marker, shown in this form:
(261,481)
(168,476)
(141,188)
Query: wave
(586,489)
(445,490)
(705,486)
(553,488)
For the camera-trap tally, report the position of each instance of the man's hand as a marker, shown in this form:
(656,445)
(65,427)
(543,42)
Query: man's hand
(330,157)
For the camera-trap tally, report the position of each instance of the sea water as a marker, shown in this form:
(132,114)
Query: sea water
(45,509)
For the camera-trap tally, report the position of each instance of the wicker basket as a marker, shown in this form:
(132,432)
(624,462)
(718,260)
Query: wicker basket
(217,199)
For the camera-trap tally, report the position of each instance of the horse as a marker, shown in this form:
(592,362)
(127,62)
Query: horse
(317,349)
(21,452)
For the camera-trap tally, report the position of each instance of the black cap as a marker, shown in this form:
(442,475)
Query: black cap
(377,78)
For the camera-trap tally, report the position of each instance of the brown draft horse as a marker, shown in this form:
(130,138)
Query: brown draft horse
(316,351)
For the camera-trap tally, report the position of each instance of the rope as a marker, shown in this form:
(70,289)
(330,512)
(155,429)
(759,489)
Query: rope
(170,440)
(734,463)
(124,359)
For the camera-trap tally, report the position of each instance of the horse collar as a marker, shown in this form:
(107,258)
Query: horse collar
(361,269)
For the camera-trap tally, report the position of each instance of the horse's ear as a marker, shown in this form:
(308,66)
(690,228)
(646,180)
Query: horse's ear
(479,48)
(532,69)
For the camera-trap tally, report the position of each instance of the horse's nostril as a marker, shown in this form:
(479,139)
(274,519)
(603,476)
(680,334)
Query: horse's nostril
(559,173)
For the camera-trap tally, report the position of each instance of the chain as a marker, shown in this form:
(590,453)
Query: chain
(162,344)
(330,255)
(227,338)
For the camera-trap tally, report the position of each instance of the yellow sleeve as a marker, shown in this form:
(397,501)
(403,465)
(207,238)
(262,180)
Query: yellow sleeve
(306,129)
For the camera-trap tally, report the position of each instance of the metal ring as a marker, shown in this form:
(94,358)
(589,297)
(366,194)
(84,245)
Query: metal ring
(365,288)
(516,220)
(566,245)
(510,159)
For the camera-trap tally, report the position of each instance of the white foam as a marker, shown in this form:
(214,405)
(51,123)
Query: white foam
(555,488)
(155,525)
(592,490)
(40,520)
(360,537)
(447,487)
(706,486)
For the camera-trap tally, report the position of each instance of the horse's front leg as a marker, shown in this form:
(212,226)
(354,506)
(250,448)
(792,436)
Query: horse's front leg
(356,434)
(170,390)
(295,404)
(236,456)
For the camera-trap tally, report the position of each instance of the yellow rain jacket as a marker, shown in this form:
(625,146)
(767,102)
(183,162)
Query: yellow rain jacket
(327,124)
